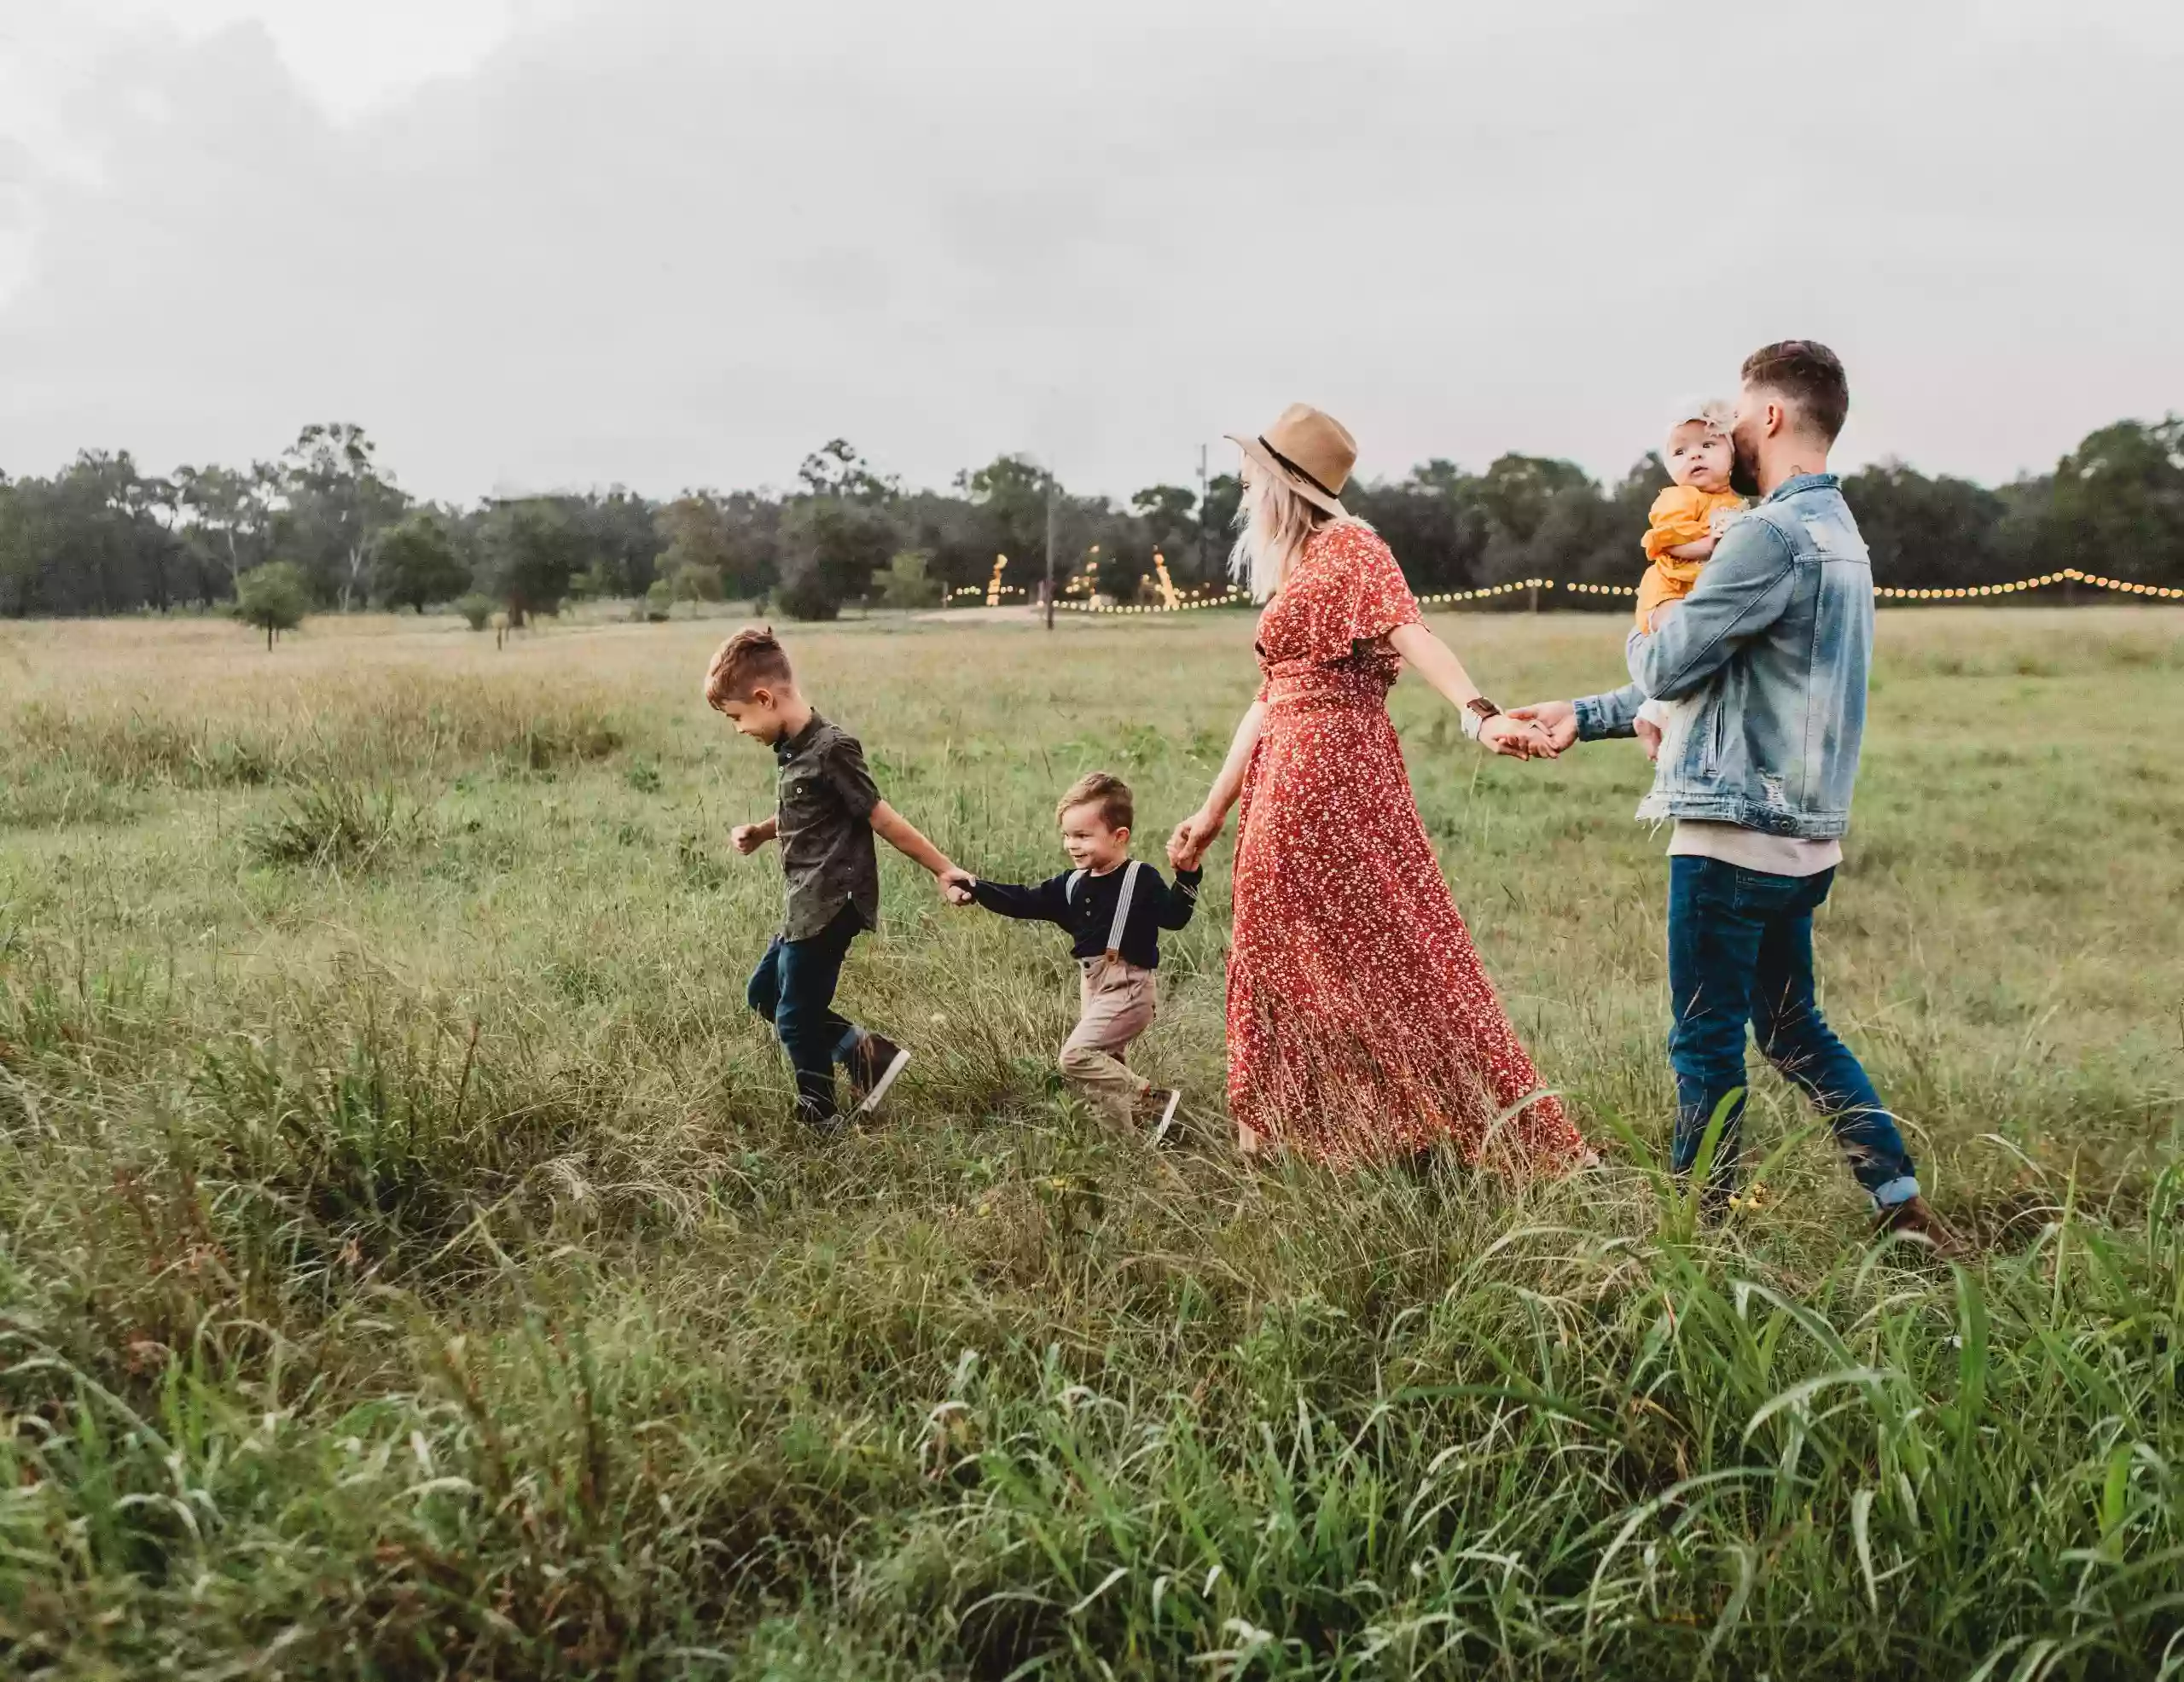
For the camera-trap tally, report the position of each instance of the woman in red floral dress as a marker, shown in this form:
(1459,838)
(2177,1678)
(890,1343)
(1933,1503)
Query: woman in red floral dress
(1360,1024)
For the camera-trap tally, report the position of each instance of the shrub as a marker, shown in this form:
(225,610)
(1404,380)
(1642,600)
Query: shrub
(907,581)
(692,583)
(806,594)
(335,823)
(273,598)
(477,610)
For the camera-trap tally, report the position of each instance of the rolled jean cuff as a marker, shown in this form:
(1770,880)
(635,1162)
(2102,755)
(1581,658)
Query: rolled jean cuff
(1901,1190)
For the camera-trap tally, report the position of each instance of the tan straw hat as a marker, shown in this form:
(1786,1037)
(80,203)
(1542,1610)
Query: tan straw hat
(1309,450)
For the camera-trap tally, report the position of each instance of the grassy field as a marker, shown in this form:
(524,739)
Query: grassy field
(407,1268)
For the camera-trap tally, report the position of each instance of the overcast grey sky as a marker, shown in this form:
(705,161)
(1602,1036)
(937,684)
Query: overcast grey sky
(666,243)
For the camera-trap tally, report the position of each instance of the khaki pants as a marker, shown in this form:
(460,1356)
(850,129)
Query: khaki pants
(1117,1006)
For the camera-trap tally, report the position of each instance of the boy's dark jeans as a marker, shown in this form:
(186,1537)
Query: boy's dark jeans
(1740,952)
(793,988)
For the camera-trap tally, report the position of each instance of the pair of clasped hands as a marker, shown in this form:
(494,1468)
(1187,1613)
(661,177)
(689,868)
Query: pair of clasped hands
(1539,731)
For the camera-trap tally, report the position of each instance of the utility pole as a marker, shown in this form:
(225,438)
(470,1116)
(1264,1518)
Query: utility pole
(1205,561)
(1050,549)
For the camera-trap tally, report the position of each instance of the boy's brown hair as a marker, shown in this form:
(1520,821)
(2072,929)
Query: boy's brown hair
(1810,376)
(1097,788)
(746,662)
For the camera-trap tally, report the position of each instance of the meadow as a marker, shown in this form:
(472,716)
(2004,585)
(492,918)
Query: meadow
(408,1267)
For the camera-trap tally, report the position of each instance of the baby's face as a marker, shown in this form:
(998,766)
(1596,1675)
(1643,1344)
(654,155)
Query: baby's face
(1701,457)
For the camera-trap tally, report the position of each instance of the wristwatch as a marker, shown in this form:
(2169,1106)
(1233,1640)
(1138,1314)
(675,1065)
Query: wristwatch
(1476,710)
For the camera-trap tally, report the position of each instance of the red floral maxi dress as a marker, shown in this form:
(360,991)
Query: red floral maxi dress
(1361,1025)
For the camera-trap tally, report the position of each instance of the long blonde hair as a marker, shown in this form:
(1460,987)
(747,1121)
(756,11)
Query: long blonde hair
(1273,526)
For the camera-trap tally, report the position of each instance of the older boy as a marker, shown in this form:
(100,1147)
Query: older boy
(825,817)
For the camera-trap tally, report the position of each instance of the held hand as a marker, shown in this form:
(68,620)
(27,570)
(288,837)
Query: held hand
(954,884)
(746,838)
(1649,738)
(1559,719)
(1192,836)
(1517,738)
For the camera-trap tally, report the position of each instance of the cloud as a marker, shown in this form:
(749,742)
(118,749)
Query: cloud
(669,244)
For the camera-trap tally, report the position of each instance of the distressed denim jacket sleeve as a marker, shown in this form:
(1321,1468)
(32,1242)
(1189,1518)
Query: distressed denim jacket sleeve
(1610,713)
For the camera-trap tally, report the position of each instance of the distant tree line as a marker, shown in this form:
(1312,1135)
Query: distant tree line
(102,537)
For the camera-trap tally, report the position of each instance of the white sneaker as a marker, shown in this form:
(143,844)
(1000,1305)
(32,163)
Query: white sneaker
(875,1065)
(1164,1127)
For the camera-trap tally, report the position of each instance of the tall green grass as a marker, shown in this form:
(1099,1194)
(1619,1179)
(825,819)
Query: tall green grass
(411,1271)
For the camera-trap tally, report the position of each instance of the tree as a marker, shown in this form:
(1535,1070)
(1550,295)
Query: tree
(738,535)
(18,550)
(1169,516)
(335,500)
(1433,520)
(414,562)
(148,509)
(95,537)
(696,535)
(1217,519)
(620,532)
(959,537)
(228,514)
(531,550)
(2116,507)
(833,548)
(1011,490)
(1516,490)
(1923,531)
(835,470)
(274,597)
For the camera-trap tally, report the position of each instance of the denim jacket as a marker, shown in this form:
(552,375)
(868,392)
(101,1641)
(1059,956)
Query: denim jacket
(1774,642)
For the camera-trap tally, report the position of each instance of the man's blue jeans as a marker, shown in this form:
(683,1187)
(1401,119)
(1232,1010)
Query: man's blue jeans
(793,988)
(1740,952)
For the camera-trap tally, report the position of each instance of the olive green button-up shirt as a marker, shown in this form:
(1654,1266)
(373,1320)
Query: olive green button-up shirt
(823,821)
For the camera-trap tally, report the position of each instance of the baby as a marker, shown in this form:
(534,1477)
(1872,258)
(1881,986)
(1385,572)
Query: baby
(1687,520)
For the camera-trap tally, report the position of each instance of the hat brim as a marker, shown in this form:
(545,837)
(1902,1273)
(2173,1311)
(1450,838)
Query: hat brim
(1311,492)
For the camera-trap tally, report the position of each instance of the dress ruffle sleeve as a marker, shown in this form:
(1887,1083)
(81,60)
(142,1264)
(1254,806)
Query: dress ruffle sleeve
(1382,601)
(1345,590)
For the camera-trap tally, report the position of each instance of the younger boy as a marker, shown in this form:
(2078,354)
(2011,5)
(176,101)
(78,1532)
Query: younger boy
(1114,908)
(826,814)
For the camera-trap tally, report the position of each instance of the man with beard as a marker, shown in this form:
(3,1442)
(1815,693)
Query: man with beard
(1773,645)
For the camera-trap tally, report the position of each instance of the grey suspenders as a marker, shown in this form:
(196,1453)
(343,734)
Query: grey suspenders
(1122,902)
(1121,908)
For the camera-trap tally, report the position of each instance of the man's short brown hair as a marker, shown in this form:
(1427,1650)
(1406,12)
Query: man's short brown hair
(746,662)
(1110,794)
(1808,374)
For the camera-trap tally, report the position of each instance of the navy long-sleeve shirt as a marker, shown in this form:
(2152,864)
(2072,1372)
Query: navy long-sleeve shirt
(1084,904)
